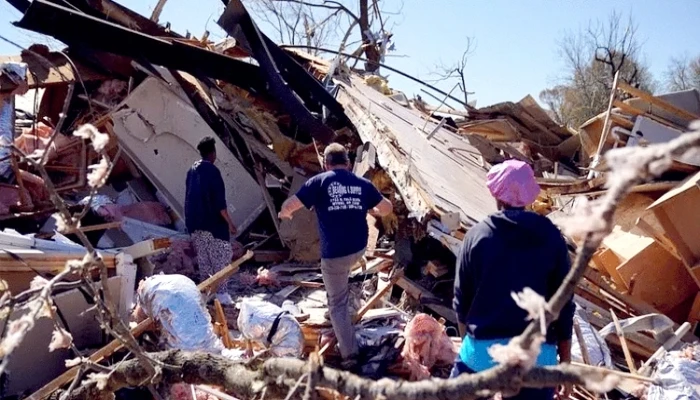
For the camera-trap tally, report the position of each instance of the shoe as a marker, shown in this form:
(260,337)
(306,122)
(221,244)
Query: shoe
(351,365)
(225,299)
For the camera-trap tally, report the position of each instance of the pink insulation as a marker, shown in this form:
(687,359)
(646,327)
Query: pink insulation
(183,391)
(267,278)
(426,345)
(151,212)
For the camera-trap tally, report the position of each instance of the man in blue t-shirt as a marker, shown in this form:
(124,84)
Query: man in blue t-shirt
(206,216)
(341,201)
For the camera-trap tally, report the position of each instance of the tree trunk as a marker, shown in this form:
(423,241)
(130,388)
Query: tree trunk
(371,48)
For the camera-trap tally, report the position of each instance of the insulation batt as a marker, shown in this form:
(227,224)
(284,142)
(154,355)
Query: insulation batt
(174,302)
(255,321)
(426,345)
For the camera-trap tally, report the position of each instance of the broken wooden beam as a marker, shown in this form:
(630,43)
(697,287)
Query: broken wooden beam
(623,342)
(655,101)
(418,292)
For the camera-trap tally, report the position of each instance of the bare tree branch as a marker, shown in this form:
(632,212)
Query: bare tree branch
(457,69)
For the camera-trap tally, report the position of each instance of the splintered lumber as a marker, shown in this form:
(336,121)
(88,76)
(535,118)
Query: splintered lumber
(435,269)
(418,292)
(32,260)
(623,343)
(655,101)
(223,324)
(376,297)
(99,227)
(208,286)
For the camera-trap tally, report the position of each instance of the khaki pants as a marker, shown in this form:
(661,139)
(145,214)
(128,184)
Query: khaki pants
(336,272)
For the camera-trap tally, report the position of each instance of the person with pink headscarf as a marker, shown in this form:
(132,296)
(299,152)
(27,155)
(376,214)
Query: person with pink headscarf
(508,251)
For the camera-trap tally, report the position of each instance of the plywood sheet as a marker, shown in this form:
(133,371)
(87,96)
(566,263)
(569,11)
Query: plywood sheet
(160,131)
(658,278)
(440,173)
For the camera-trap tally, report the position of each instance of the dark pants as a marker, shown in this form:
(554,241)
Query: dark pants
(525,394)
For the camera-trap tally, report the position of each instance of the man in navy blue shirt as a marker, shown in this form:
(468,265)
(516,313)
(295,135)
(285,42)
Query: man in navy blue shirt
(341,201)
(505,253)
(206,215)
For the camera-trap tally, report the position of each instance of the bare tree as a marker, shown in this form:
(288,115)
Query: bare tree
(457,69)
(319,24)
(555,99)
(298,23)
(616,47)
(592,57)
(683,73)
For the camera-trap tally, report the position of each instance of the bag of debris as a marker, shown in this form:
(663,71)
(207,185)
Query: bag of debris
(678,374)
(276,328)
(175,303)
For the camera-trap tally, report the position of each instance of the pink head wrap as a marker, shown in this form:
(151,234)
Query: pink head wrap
(513,183)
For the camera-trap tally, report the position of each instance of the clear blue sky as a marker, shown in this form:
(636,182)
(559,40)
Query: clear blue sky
(516,51)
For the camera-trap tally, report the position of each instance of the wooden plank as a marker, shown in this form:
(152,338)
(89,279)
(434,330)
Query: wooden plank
(623,122)
(664,105)
(271,256)
(378,295)
(606,123)
(632,110)
(208,286)
(221,320)
(99,227)
(623,343)
(418,292)
(29,260)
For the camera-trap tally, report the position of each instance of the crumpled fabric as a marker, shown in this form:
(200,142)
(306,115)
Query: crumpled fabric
(255,321)
(678,373)
(513,183)
(176,304)
(426,345)
(659,325)
(6,134)
(598,350)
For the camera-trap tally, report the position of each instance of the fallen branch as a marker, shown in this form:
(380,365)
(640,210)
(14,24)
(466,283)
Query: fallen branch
(279,375)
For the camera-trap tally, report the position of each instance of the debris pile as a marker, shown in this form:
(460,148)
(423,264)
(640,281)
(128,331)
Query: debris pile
(147,95)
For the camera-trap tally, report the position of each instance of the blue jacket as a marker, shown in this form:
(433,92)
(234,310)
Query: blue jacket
(508,251)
